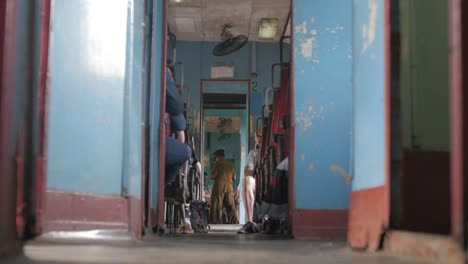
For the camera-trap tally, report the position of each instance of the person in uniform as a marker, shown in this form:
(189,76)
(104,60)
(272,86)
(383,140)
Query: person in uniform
(222,194)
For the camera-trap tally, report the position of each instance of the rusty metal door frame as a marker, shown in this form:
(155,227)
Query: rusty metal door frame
(459,114)
(8,233)
(162,128)
(43,107)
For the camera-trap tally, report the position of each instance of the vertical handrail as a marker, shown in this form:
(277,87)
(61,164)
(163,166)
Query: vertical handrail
(284,37)
(173,39)
(267,105)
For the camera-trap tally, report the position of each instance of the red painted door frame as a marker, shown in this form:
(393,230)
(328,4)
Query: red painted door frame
(43,106)
(162,126)
(458,31)
(292,127)
(8,236)
(2,37)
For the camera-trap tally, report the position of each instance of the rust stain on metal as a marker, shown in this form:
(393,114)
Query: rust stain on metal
(336,169)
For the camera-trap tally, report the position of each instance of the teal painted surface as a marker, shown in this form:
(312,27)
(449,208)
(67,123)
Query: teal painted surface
(155,99)
(323,103)
(87,67)
(132,138)
(369,94)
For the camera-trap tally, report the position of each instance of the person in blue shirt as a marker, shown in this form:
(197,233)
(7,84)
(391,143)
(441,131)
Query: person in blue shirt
(177,152)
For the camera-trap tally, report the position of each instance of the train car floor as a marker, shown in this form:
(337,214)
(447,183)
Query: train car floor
(217,247)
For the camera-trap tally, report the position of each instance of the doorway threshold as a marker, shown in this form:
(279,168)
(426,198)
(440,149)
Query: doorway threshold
(433,247)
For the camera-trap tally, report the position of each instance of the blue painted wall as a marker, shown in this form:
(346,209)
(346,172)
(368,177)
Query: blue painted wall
(198,60)
(369,94)
(323,103)
(132,144)
(87,66)
(156,59)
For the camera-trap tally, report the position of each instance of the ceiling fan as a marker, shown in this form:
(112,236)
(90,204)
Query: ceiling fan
(230,43)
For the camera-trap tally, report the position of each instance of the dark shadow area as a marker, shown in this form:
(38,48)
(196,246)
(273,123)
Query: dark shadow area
(420,176)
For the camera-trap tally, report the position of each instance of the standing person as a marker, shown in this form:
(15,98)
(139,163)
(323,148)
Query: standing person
(248,189)
(222,194)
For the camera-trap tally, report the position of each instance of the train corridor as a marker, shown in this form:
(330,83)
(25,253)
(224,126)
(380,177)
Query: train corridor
(211,131)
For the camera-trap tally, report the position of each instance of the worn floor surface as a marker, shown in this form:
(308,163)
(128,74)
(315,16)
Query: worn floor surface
(211,248)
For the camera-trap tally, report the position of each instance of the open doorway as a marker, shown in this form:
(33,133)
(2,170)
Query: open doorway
(229,90)
(420,118)
(225,126)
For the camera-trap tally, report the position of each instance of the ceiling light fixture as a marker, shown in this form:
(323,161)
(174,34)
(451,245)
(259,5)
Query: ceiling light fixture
(268,28)
(177,1)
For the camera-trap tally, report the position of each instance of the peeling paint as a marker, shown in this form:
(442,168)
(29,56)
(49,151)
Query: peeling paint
(335,30)
(302,157)
(312,19)
(336,169)
(304,119)
(311,167)
(369,30)
(301,29)
(307,48)
(314,32)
